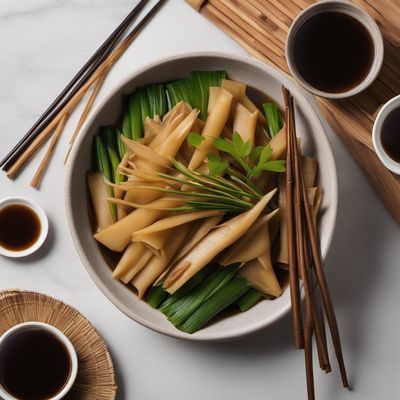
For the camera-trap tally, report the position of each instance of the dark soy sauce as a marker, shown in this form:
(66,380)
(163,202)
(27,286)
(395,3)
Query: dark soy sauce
(34,364)
(333,51)
(19,227)
(390,135)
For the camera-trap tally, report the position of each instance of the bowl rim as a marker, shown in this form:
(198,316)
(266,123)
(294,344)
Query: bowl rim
(316,121)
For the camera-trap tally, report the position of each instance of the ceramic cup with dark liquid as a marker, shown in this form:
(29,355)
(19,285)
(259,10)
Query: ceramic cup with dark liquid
(386,135)
(37,362)
(334,49)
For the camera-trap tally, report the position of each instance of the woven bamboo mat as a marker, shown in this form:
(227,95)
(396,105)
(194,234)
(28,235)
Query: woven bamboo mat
(95,379)
(261,26)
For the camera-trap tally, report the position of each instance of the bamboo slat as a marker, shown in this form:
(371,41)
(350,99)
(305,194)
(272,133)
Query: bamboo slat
(261,26)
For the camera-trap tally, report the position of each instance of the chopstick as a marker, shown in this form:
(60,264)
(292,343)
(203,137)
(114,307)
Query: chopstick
(101,61)
(70,89)
(305,259)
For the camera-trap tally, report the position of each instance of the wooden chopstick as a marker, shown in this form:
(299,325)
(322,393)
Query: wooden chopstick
(65,96)
(102,69)
(297,323)
(85,113)
(46,159)
(307,238)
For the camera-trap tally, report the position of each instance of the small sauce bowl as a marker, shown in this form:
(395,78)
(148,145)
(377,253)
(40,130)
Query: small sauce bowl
(44,226)
(60,337)
(342,7)
(384,112)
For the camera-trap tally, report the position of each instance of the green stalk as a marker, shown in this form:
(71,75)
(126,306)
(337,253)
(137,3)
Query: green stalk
(157,99)
(223,298)
(200,89)
(156,296)
(104,165)
(177,91)
(111,135)
(135,116)
(249,299)
(274,118)
(192,283)
(188,304)
(121,145)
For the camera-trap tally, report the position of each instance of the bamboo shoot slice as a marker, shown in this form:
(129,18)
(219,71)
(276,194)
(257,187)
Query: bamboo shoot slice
(199,233)
(252,244)
(117,236)
(263,279)
(137,267)
(98,196)
(211,245)
(244,123)
(157,265)
(130,257)
(215,123)
(174,221)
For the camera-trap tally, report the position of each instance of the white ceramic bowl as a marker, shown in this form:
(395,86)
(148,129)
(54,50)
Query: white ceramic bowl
(62,338)
(253,73)
(349,8)
(44,226)
(387,161)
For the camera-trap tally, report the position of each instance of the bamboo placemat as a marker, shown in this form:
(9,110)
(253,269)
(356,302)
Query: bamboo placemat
(261,26)
(95,379)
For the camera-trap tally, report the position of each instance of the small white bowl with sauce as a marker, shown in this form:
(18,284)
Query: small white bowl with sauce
(386,135)
(23,227)
(42,362)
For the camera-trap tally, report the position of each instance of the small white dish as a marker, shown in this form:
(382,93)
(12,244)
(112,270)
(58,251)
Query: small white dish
(387,161)
(62,338)
(44,226)
(353,10)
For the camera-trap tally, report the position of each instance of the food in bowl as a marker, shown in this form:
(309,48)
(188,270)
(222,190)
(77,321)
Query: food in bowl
(188,197)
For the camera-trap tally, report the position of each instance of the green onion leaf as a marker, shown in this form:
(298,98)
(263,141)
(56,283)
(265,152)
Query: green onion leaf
(189,303)
(249,299)
(104,165)
(223,298)
(274,118)
(156,296)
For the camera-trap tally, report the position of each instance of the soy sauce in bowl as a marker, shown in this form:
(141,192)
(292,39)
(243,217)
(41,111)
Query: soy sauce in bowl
(34,364)
(390,135)
(20,227)
(23,226)
(333,51)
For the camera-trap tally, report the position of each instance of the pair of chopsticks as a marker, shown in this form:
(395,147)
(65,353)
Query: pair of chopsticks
(91,75)
(305,262)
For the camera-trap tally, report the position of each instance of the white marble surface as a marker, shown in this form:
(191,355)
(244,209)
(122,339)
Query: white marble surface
(43,42)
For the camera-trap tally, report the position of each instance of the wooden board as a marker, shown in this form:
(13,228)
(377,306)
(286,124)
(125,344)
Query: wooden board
(261,26)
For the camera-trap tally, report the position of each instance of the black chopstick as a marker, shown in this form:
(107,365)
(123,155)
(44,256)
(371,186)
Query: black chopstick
(79,79)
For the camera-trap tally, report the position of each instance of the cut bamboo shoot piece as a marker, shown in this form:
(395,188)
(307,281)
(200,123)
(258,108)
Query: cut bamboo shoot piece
(215,123)
(210,246)
(244,123)
(131,256)
(157,265)
(117,236)
(98,196)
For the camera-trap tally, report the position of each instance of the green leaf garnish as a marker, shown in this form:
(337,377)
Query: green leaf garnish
(216,166)
(195,139)
(275,166)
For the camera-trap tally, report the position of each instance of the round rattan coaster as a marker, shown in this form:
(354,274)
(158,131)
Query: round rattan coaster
(95,380)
